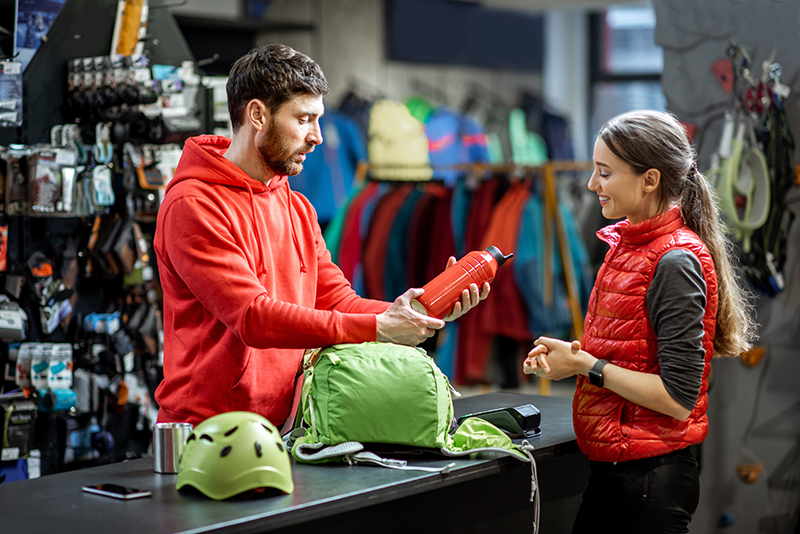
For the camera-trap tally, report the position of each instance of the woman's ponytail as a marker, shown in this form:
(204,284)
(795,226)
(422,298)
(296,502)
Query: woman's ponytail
(735,326)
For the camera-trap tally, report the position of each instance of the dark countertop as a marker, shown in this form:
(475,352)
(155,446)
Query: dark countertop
(55,503)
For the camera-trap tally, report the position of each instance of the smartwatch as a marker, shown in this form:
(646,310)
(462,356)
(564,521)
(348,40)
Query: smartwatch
(596,373)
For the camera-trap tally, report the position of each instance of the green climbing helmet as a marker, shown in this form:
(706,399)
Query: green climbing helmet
(234,452)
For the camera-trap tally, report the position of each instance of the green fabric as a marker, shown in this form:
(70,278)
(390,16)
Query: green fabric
(476,433)
(528,148)
(380,393)
(495,149)
(420,108)
(389,394)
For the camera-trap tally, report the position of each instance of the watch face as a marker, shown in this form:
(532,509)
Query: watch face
(595,378)
(596,373)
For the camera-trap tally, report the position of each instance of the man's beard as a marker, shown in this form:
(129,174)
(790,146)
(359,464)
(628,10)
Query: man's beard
(277,156)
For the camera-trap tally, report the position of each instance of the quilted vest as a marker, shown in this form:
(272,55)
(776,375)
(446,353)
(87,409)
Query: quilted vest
(617,328)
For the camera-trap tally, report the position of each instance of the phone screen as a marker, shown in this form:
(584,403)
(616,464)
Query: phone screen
(116,491)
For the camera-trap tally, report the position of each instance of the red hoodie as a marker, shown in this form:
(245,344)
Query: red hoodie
(248,284)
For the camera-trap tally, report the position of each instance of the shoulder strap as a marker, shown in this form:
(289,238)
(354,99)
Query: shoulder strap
(372,458)
(318,452)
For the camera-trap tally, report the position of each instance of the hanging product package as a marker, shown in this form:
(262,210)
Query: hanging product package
(17,180)
(18,418)
(357,396)
(51,182)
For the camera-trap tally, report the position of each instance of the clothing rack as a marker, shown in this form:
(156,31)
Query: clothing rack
(552,216)
(363,167)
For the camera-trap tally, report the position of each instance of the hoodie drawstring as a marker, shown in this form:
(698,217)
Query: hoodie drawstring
(303,267)
(258,228)
(260,241)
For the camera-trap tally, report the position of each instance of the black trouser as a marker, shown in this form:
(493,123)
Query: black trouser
(651,495)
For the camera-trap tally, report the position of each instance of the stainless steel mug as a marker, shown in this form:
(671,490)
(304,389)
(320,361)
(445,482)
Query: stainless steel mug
(168,442)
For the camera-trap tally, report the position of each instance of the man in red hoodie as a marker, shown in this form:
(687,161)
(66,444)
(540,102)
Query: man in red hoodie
(247,280)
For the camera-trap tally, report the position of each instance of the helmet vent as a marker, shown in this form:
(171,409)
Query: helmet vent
(280,447)
(191,438)
(258,450)
(268,429)
(207,438)
(225,452)
(231,431)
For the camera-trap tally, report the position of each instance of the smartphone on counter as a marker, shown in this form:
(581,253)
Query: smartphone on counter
(116,491)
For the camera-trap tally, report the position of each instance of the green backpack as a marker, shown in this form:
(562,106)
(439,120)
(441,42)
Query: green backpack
(380,393)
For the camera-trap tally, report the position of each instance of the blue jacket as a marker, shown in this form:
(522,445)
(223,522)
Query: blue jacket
(327,176)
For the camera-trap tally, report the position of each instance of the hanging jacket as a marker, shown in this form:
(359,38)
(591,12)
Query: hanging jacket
(441,234)
(395,278)
(376,242)
(420,236)
(552,318)
(462,196)
(333,231)
(349,252)
(248,284)
(618,329)
(503,311)
(454,139)
(473,344)
(328,172)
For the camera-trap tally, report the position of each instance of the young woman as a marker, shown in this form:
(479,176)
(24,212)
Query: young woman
(666,300)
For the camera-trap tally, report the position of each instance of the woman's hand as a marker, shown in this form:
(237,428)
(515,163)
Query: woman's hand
(532,365)
(554,359)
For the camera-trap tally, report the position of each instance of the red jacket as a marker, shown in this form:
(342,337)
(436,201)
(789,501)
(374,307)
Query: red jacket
(248,284)
(617,328)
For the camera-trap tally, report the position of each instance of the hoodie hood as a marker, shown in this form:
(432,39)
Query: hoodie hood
(203,159)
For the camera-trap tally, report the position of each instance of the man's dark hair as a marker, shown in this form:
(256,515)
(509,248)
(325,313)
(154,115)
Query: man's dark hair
(274,74)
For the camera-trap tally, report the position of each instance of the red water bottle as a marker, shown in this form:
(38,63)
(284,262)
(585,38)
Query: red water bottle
(442,293)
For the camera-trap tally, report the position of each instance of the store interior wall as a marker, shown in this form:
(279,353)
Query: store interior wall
(349,43)
(754,412)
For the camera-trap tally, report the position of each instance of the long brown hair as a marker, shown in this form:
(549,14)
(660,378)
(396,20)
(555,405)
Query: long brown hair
(655,140)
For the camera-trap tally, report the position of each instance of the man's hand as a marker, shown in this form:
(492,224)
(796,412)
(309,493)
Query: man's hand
(400,324)
(469,297)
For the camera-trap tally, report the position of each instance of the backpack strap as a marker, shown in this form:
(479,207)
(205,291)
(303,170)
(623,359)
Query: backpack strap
(353,453)
(302,388)
(527,448)
(371,457)
(315,452)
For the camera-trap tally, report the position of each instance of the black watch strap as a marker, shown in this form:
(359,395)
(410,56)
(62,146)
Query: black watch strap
(596,373)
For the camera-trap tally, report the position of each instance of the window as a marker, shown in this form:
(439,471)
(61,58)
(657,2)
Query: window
(626,63)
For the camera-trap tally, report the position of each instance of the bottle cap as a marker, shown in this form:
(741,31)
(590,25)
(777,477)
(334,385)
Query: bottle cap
(497,255)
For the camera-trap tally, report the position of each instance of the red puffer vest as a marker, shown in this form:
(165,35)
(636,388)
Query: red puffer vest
(617,328)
